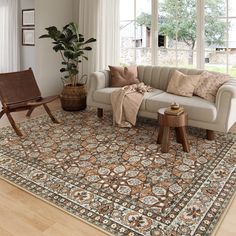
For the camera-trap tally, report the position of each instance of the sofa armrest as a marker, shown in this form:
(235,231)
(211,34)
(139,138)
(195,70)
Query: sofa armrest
(226,103)
(228,89)
(96,80)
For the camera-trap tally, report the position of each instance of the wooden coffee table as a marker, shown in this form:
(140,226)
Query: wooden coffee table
(166,122)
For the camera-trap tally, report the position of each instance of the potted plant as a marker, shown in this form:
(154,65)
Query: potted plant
(72,47)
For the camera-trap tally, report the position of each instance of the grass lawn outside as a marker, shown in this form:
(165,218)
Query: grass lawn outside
(232,70)
(221,69)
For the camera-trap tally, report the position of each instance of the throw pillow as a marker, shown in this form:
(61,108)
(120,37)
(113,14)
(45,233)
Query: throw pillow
(181,84)
(209,84)
(122,76)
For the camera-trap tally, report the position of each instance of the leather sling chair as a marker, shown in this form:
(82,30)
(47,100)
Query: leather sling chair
(19,91)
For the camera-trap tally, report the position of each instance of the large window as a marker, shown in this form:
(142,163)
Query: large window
(179,33)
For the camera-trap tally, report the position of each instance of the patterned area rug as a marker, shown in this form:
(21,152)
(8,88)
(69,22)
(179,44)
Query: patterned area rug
(117,179)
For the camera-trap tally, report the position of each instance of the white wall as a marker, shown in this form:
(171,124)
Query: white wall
(49,13)
(27,53)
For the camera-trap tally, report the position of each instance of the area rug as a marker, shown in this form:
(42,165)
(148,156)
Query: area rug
(117,178)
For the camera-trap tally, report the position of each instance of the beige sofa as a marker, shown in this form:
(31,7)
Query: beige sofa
(218,116)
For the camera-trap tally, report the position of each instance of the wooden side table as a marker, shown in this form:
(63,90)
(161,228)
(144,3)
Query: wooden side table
(167,121)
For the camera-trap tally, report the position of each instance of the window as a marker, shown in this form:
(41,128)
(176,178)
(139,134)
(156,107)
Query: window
(170,33)
(135,31)
(178,22)
(220,36)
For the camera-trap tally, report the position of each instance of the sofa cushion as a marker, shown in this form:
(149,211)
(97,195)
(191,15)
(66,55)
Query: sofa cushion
(122,76)
(196,107)
(159,76)
(104,96)
(181,84)
(209,84)
(149,95)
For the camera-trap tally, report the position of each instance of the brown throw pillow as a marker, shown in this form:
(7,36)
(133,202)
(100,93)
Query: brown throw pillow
(122,76)
(181,84)
(209,84)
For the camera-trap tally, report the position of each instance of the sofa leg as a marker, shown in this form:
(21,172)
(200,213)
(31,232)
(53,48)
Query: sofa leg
(210,134)
(99,112)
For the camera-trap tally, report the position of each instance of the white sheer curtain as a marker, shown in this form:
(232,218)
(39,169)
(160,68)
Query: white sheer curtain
(9,38)
(99,19)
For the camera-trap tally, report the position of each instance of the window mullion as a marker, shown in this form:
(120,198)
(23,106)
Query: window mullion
(200,34)
(154,32)
(135,35)
(176,34)
(227,36)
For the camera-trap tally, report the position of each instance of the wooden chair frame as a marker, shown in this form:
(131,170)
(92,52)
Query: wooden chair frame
(18,92)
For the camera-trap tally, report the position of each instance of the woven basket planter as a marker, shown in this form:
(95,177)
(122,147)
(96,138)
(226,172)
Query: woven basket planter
(73,98)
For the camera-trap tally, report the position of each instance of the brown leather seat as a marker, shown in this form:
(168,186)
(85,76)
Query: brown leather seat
(19,91)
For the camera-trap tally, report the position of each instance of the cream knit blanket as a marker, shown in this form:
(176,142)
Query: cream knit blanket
(126,102)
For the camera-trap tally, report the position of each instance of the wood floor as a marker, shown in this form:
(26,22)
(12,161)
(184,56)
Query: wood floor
(22,214)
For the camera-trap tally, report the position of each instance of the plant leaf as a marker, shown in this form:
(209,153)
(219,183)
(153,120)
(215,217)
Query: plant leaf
(58,47)
(63,70)
(44,36)
(91,40)
(69,54)
(87,49)
(86,58)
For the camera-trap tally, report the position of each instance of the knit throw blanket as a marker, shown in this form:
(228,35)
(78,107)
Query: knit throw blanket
(126,103)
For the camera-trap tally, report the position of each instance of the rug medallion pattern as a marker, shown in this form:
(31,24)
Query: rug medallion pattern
(117,178)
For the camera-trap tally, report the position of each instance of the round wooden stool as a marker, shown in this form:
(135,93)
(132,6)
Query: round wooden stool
(178,122)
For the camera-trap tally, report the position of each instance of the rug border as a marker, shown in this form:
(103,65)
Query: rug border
(213,233)
(59,208)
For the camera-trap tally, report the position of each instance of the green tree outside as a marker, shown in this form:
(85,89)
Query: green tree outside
(178,20)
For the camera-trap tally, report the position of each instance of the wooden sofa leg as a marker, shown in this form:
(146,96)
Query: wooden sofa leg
(100,112)
(210,134)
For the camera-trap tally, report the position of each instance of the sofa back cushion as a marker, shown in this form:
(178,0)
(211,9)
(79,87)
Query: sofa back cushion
(159,76)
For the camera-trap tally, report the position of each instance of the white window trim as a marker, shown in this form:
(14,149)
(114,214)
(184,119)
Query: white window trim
(200,34)
(154,32)
(135,24)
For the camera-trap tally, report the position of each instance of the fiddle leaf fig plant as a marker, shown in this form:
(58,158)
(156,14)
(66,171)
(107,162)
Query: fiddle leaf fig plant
(72,47)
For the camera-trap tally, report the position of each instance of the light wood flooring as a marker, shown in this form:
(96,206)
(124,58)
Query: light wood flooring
(22,214)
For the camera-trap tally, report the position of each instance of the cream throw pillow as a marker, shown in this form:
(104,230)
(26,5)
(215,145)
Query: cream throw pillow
(209,84)
(183,85)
